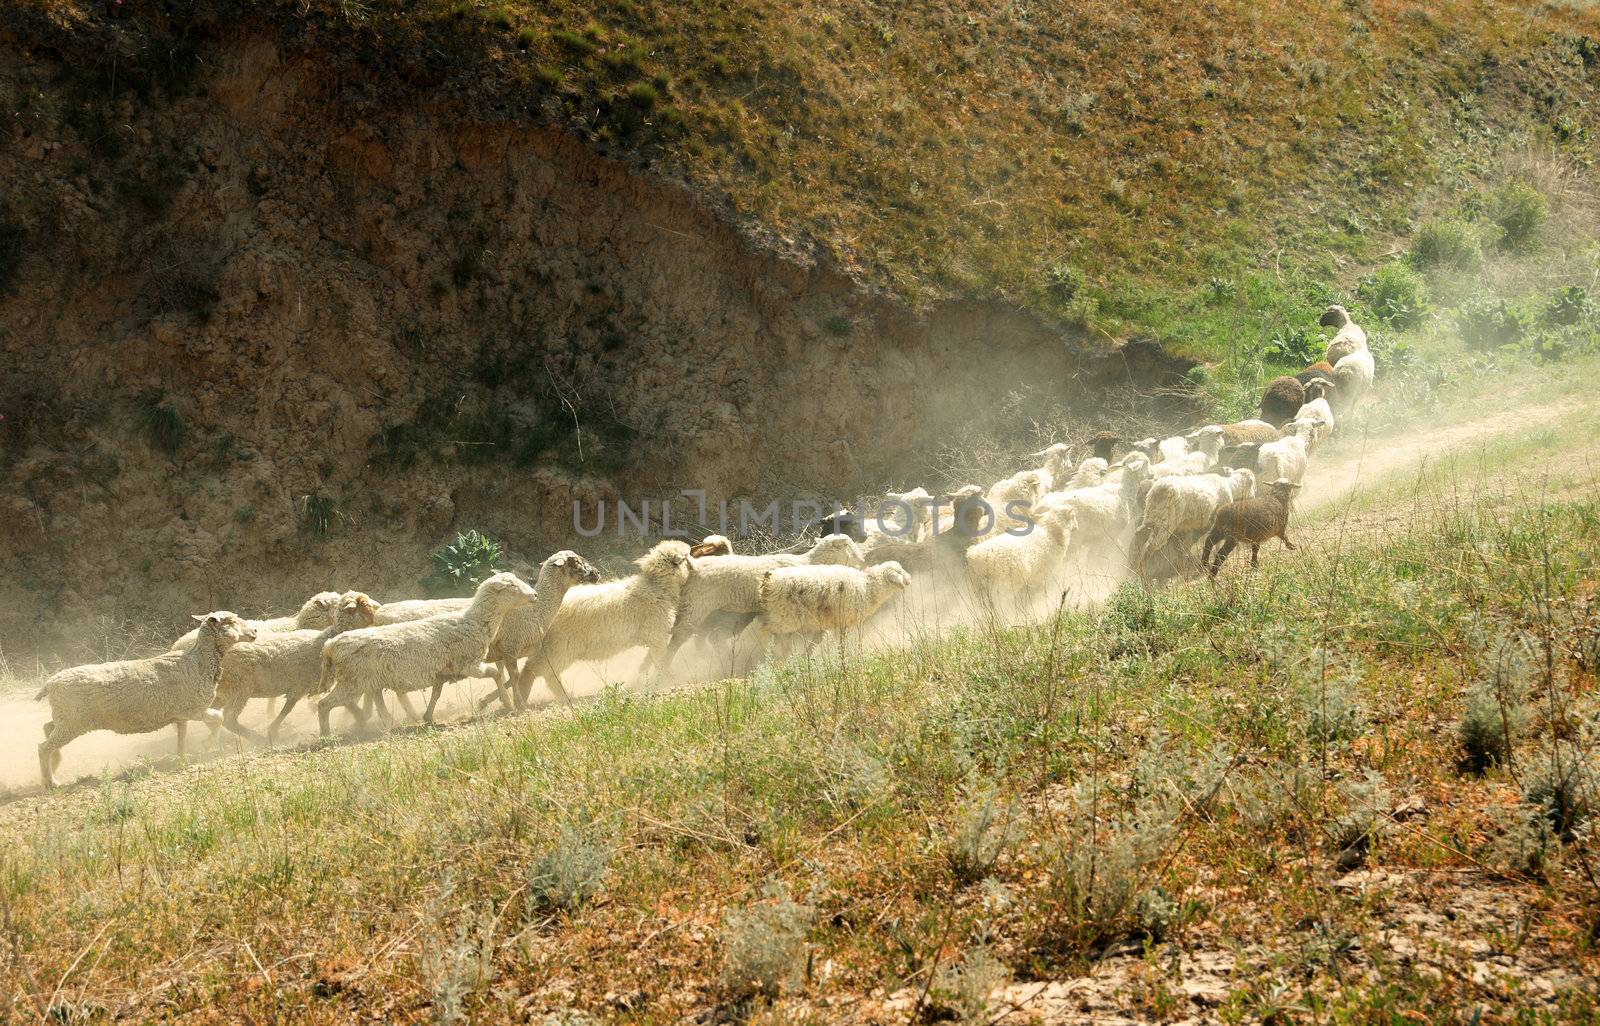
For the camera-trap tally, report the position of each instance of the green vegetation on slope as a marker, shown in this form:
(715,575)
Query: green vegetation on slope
(1271,773)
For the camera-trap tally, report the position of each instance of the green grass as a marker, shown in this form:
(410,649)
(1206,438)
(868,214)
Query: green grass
(1189,769)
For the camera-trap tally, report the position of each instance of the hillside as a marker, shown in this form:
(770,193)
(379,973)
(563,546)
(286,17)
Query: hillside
(1255,800)
(348,277)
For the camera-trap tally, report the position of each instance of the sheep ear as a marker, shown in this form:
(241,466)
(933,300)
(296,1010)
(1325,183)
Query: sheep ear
(198,617)
(214,620)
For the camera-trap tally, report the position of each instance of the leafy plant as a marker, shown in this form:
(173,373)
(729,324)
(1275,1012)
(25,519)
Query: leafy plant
(764,944)
(317,513)
(1446,242)
(1296,347)
(1568,306)
(1519,210)
(459,567)
(571,872)
(836,325)
(1063,281)
(1487,322)
(1565,791)
(1396,294)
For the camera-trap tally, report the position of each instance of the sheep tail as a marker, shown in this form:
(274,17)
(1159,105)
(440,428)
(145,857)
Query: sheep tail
(325,679)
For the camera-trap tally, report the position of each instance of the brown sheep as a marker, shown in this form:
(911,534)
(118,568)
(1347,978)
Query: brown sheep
(1246,431)
(1321,370)
(1282,400)
(1254,521)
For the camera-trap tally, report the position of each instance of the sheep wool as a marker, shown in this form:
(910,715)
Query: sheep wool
(1254,521)
(138,696)
(524,628)
(811,600)
(417,654)
(316,613)
(1283,397)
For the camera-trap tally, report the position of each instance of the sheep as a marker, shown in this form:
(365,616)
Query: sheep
(1244,454)
(1206,446)
(903,516)
(1090,473)
(1181,510)
(285,664)
(416,654)
(1056,459)
(523,628)
(316,613)
(1282,398)
(1245,431)
(1102,516)
(1102,444)
(1319,371)
(407,610)
(1318,412)
(1009,496)
(137,696)
(597,621)
(1350,337)
(807,601)
(729,585)
(1254,521)
(1020,565)
(1285,459)
(1352,377)
(711,545)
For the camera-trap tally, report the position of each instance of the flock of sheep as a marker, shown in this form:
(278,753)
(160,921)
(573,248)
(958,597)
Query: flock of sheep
(1014,545)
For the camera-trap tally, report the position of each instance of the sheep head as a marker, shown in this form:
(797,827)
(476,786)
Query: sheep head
(1334,316)
(838,550)
(1208,440)
(668,560)
(1054,457)
(225,628)
(356,609)
(571,567)
(892,574)
(319,608)
(712,545)
(504,587)
(1282,489)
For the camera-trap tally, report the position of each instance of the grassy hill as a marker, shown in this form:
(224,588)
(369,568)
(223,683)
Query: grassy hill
(1200,173)
(1357,786)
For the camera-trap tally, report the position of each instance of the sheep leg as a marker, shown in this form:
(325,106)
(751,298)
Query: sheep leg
(50,751)
(1222,555)
(383,708)
(277,724)
(230,719)
(1254,554)
(183,733)
(433,700)
(1205,552)
(405,703)
(1291,546)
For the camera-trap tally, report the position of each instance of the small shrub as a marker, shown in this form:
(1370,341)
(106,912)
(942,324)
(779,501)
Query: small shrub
(836,325)
(1486,322)
(1446,242)
(1390,353)
(163,426)
(960,992)
(245,514)
(13,247)
(1333,713)
(1063,282)
(1519,211)
(1364,821)
(1522,842)
(1222,290)
(455,964)
(458,568)
(1296,347)
(764,944)
(316,515)
(1562,790)
(570,873)
(1494,713)
(1395,294)
(1568,306)
(643,95)
(987,828)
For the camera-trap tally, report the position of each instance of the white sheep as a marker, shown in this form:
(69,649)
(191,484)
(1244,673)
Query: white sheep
(1020,566)
(284,664)
(137,696)
(598,621)
(417,654)
(1349,337)
(1352,378)
(316,613)
(726,586)
(523,629)
(1319,413)
(1285,459)
(903,516)
(406,610)
(1181,510)
(808,601)
(1053,468)
(1090,473)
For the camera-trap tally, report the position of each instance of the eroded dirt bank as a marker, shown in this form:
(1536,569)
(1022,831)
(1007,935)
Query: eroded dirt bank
(273,329)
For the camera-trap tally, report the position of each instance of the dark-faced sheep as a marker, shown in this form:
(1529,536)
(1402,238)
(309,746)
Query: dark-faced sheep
(1282,400)
(1253,521)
